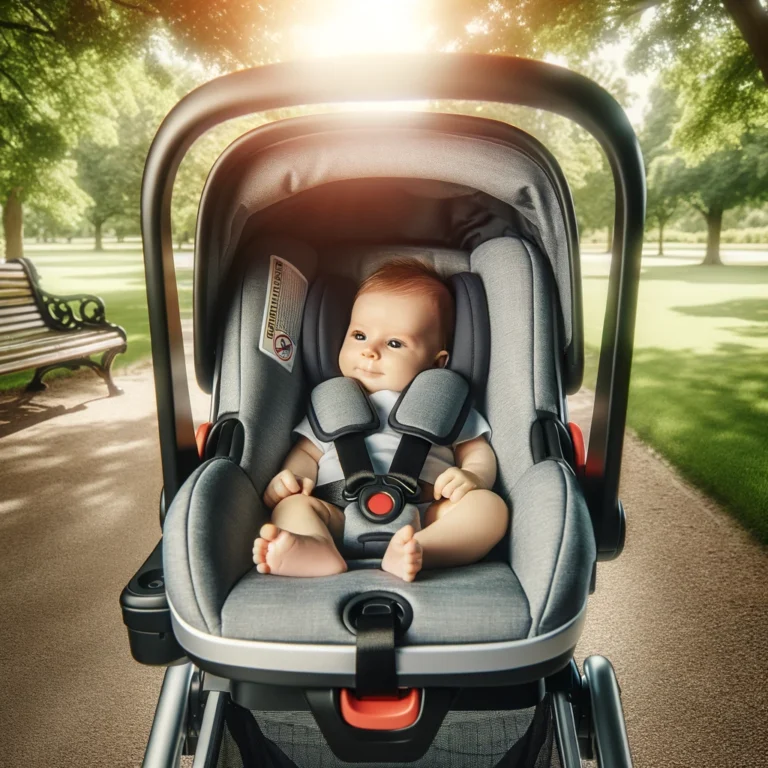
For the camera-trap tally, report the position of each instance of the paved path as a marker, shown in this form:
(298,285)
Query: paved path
(682,614)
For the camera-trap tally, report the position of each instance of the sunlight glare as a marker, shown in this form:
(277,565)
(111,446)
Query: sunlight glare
(359,27)
(347,27)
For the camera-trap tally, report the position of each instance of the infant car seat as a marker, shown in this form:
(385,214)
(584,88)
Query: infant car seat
(373,669)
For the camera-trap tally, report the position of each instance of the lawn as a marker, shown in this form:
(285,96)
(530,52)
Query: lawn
(117,276)
(699,389)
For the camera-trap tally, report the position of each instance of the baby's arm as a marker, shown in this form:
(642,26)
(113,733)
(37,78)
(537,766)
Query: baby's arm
(476,469)
(298,475)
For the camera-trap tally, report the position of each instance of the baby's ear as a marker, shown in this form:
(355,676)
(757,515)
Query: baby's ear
(441,359)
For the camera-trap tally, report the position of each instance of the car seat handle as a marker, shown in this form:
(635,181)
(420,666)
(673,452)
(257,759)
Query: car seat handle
(474,77)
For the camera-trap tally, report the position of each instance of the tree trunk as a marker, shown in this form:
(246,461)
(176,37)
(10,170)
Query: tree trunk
(99,246)
(714,217)
(752,20)
(13,225)
(610,239)
(661,236)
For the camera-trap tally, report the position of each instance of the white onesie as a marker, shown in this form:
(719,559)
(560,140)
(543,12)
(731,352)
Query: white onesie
(383,443)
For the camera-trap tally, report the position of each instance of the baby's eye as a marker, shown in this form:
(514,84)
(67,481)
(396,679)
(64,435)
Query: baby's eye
(394,343)
(358,336)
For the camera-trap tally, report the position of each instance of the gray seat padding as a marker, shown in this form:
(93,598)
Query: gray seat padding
(213,520)
(478,603)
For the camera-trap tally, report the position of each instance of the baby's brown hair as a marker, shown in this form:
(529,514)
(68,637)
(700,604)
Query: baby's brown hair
(406,277)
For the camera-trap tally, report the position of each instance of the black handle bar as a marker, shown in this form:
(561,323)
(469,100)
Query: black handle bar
(434,76)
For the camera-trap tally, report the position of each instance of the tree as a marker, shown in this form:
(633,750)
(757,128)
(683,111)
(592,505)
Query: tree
(57,65)
(717,49)
(59,203)
(663,191)
(663,165)
(723,180)
(595,202)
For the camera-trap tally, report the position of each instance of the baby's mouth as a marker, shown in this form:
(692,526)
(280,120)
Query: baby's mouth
(370,373)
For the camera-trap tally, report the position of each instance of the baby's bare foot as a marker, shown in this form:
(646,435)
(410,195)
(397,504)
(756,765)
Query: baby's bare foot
(293,554)
(403,557)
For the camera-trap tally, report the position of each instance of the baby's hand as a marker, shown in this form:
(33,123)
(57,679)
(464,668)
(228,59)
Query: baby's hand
(285,484)
(455,484)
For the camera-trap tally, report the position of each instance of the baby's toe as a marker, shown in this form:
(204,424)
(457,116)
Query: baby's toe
(269,532)
(260,551)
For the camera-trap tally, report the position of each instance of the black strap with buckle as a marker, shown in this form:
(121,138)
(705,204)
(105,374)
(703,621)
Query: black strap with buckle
(375,668)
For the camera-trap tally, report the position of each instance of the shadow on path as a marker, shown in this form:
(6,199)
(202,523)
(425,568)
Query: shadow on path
(20,411)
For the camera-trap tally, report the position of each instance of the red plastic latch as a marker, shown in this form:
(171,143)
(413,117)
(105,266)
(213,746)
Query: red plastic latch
(201,437)
(381,713)
(380,503)
(579,452)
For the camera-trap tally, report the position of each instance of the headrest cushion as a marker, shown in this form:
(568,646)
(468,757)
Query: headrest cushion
(326,319)
(471,348)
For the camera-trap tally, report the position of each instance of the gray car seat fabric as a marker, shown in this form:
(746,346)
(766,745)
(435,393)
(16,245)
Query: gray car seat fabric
(522,375)
(212,522)
(552,547)
(207,539)
(477,603)
(268,399)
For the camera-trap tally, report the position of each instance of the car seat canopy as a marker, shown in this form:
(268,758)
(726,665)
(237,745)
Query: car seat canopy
(432,180)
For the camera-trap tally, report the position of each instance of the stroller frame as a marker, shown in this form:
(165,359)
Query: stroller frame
(586,708)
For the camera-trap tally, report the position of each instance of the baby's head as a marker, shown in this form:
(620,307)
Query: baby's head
(401,325)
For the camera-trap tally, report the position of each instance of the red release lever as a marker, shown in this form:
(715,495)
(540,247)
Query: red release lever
(381,713)
(201,437)
(579,452)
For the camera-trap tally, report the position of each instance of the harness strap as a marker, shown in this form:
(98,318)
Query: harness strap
(408,462)
(355,462)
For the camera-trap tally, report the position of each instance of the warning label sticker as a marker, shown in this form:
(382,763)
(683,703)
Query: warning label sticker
(281,325)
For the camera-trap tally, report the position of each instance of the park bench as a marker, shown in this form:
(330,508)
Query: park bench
(42,331)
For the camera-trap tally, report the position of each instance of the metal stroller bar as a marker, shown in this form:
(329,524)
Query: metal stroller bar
(168,728)
(435,76)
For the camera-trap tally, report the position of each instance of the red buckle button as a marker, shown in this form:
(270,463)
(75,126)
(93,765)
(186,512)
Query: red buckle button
(380,503)
(381,713)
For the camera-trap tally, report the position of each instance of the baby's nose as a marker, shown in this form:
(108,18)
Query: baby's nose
(370,352)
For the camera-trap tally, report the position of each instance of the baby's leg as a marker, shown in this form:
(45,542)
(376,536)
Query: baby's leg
(300,539)
(462,533)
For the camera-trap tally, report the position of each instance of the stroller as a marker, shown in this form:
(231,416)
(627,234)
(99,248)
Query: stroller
(469,666)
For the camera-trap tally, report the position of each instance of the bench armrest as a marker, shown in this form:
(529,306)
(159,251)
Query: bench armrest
(208,539)
(552,544)
(68,313)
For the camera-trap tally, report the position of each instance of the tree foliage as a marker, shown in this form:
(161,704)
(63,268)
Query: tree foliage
(58,60)
(110,166)
(716,51)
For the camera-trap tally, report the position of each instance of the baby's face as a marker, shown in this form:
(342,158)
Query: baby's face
(390,340)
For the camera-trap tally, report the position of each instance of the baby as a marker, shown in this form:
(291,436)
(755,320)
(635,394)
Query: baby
(401,321)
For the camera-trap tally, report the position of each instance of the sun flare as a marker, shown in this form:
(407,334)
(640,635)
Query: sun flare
(348,27)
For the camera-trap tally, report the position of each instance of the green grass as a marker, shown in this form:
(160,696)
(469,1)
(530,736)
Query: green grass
(117,276)
(699,388)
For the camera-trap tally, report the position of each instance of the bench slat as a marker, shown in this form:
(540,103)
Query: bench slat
(22,316)
(61,355)
(37,323)
(27,334)
(50,339)
(13,293)
(12,306)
